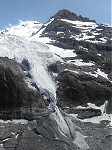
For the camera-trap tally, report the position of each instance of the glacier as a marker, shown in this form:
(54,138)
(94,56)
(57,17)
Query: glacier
(16,46)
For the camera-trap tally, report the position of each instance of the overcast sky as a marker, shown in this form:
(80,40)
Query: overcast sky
(41,10)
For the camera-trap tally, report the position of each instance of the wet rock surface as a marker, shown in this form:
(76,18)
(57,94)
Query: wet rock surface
(40,135)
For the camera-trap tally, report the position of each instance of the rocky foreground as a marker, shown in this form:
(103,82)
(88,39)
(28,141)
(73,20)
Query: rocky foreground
(41,132)
(39,135)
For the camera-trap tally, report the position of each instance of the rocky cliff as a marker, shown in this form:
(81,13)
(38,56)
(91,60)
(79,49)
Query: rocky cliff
(16,99)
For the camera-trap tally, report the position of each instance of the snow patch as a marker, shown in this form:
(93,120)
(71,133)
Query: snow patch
(59,32)
(72,71)
(101,73)
(16,136)
(82,36)
(22,121)
(102,107)
(46,24)
(81,24)
(96,119)
(103,40)
(99,54)
(95,33)
(95,41)
(90,105)
(99,29)
(1,147)
(80,141)
(79,62)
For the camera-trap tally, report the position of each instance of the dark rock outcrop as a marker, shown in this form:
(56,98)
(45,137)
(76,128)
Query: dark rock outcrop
(66,14)
(26,64)
(15,96)
(76,89)
(82,112)
(53,68)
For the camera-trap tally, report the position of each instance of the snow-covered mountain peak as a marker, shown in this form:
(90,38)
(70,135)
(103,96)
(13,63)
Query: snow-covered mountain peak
(23,29)
(65,24)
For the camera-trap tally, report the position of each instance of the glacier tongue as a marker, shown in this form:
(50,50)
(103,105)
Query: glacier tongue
(65,126)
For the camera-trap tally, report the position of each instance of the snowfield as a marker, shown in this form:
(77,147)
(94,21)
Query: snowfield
(23,29)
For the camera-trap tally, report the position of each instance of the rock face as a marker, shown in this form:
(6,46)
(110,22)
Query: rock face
(76,89)
(14,92)
(66,14)
(90,41)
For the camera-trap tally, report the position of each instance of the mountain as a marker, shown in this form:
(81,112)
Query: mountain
(85,48)
(90,41)
(56,76)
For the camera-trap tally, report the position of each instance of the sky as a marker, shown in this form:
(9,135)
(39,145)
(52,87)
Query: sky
(11,11)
